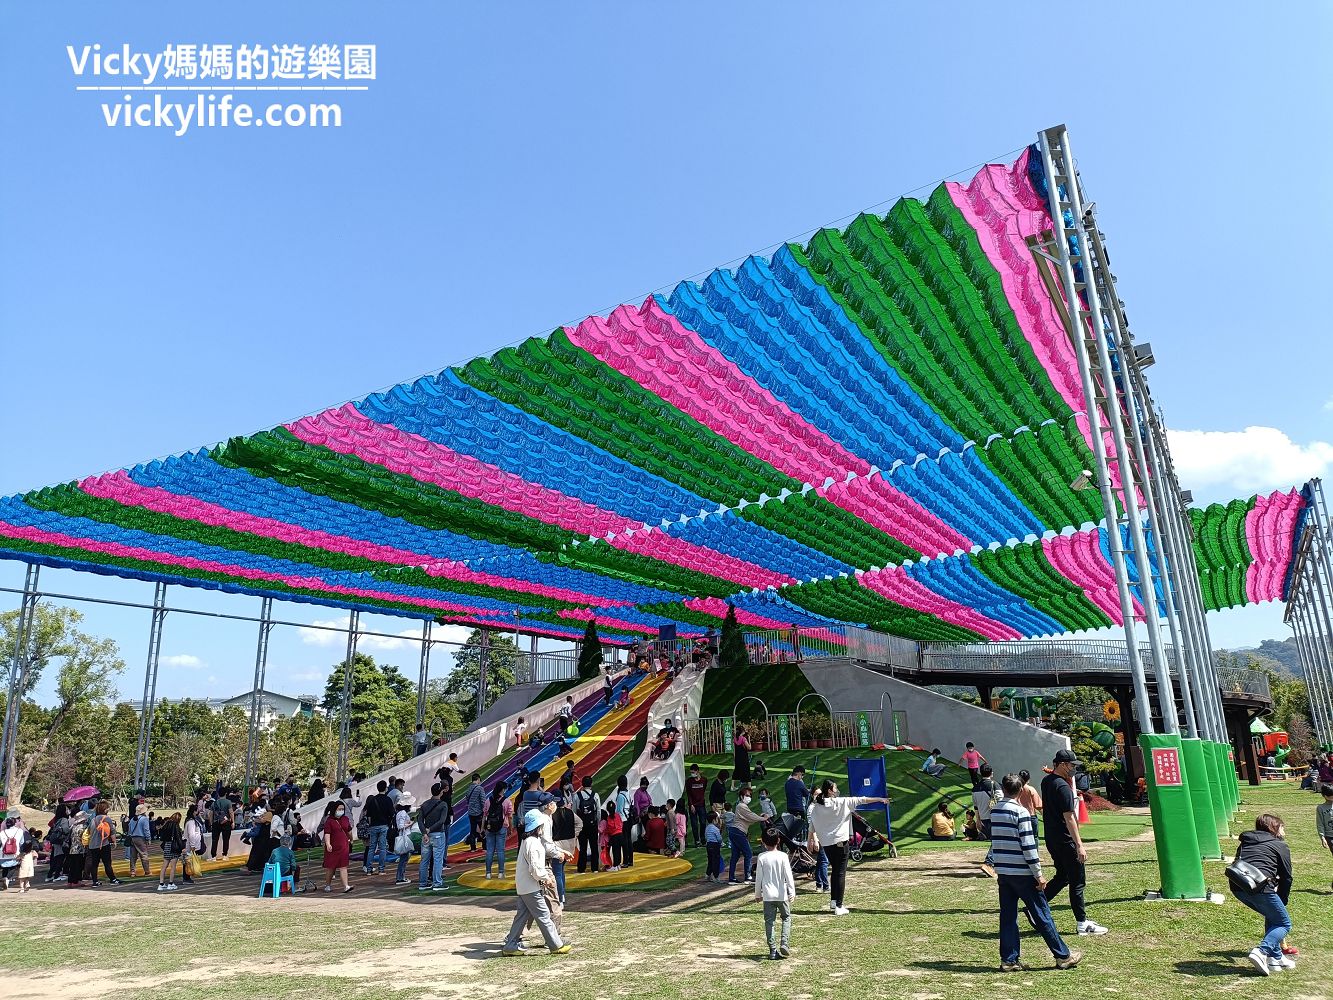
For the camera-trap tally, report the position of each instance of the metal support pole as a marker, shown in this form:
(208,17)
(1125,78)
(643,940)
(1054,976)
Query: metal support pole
(532,654)
(423,674)
(1308,617)
(345,710)
(1195,604)
(150,685)
(256,693)
(1207,696)
(1134,391)
(9,735)
(1190,658)
(1322,677)
(1076,333)
(483,663)
(1313,655)
(1318,712)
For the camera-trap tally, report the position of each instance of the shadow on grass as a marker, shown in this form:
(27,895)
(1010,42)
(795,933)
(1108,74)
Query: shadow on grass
(1223,964)
(761,956)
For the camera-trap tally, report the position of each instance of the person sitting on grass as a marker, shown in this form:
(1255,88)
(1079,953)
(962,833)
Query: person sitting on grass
(932,766)
(775,887)
(971,828)
(942,823)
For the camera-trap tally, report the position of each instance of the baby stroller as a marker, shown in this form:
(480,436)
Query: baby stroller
(867,840)
(803,863)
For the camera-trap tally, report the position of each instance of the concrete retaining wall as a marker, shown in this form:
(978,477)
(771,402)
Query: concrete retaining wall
(936,720)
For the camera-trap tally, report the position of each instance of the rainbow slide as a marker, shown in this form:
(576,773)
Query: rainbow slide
(602,734)
(589,713)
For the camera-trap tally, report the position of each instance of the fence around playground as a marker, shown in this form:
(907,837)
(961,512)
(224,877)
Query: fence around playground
(795,731)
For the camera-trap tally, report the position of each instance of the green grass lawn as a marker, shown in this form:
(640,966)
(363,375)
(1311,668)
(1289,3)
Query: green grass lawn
(915,795)
(922,926)
(779,685)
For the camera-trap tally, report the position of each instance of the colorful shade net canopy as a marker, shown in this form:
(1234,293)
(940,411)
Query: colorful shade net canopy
(877,427)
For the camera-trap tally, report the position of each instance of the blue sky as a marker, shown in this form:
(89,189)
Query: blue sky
(517,165)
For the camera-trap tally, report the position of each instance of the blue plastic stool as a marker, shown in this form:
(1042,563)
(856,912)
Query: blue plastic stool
(273,877)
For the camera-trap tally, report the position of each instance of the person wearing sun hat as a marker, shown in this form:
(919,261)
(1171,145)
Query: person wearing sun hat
(529,873)
(140,834)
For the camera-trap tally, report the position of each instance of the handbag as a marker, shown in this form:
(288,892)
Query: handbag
(1244,877)
(192,866)
(403,843)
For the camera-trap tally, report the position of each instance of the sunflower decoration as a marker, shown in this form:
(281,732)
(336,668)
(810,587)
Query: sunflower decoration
(1111,711)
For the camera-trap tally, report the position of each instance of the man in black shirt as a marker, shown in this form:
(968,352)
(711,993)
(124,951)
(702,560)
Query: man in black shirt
(1060,823)
(379,814)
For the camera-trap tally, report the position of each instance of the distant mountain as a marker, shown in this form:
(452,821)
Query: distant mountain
(1280,655)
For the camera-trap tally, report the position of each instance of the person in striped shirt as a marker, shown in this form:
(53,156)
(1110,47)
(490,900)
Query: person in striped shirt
(1018,872)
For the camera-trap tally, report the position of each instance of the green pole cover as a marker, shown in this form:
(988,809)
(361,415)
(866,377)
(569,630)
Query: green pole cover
(1227,778)
(1222,786)
(1202,775)
(1178,860)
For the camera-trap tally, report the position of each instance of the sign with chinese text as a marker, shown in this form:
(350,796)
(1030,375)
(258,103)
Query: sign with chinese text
(863,729)
(1166,767)
(784,733)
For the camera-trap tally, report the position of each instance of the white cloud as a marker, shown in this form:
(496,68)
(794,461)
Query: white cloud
(411,637)
(186,660)
(1328,406)
(1218,465)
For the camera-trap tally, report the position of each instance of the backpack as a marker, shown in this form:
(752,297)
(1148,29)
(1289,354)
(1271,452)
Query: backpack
(627,809)
(220,809)
(586,807)
(11,846)
(495,816)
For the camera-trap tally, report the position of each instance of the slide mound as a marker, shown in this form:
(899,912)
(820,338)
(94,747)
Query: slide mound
(779,685)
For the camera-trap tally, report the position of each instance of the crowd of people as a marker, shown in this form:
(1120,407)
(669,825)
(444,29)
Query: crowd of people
(573,824)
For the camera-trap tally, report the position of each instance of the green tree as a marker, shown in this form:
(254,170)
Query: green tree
(460,688)
(88,667)
(378,711)
(731,648)
(590,652)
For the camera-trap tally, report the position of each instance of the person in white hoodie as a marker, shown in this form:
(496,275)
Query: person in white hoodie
(775,887)
(529,874)
(830,828)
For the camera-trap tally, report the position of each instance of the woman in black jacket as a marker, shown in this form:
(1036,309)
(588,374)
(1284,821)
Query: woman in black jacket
(1265,849)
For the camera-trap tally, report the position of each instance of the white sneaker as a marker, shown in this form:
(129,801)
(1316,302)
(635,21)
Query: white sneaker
(1260,961)
(1285,962)
(841,911)
(161,887)
(1090,927)
(171,887)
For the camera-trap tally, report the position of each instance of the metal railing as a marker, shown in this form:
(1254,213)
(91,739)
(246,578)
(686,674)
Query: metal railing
(1079,656)
(1248,682)
(786,731)
(544,668)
